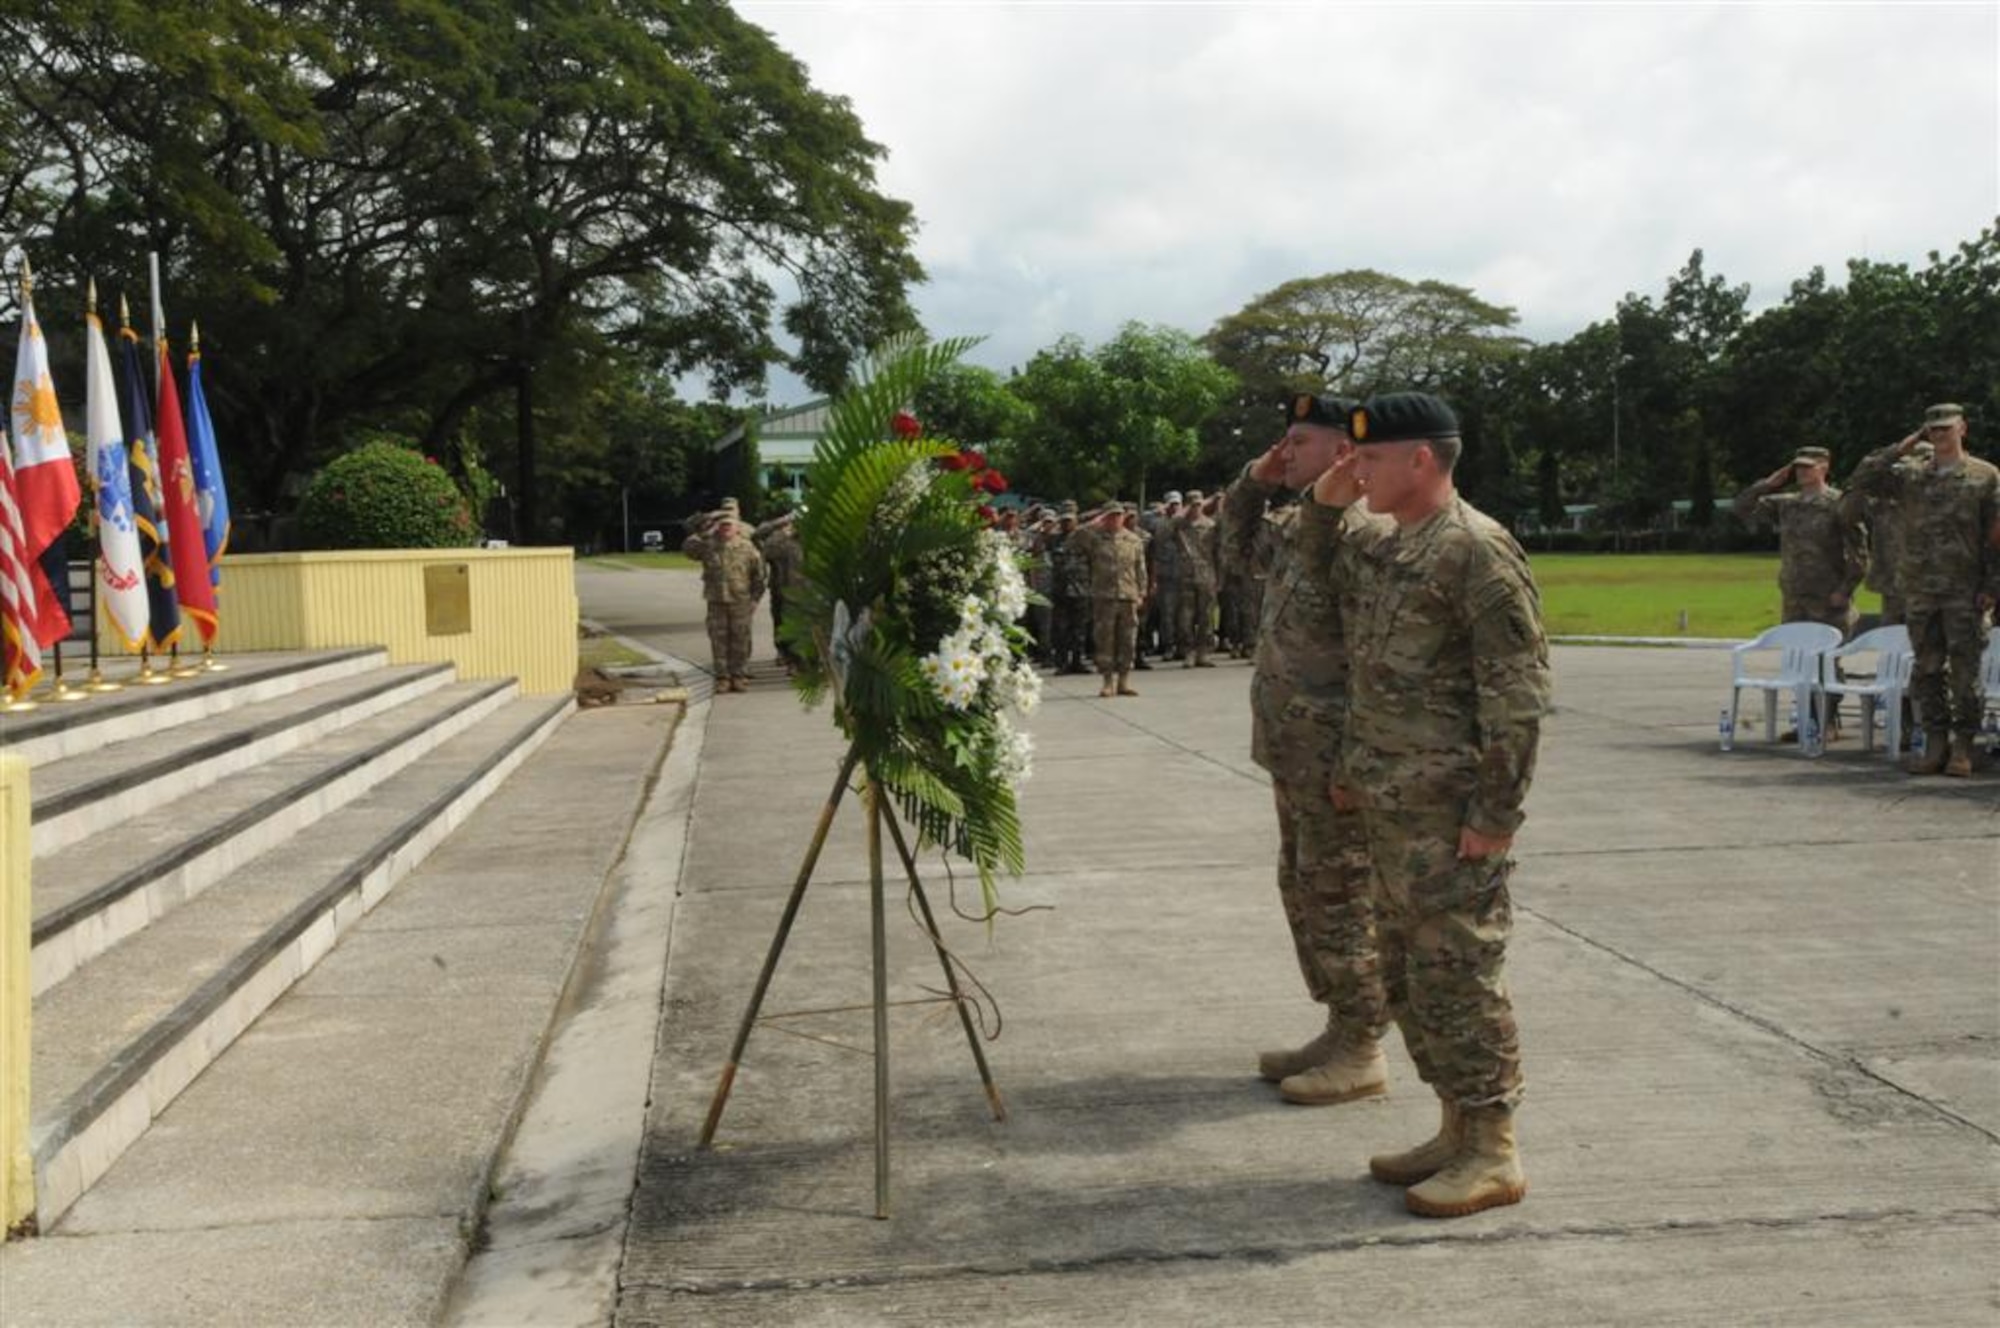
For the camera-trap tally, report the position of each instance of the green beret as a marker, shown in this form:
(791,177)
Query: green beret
(1306,408)
(1402,417)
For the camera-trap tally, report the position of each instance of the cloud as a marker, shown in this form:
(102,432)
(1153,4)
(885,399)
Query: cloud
(1077,165)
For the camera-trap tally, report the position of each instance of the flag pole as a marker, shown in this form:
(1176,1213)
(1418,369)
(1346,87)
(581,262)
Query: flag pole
(209,663)
(148,675)
(63,691)
(10,704)
(163,365)
(97,682)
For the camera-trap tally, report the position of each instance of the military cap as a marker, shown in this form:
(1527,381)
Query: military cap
(1195,496)
(1171,496)
(1069,507)
(1812,456)
(1307,408)
(1944,413)
(1402,417)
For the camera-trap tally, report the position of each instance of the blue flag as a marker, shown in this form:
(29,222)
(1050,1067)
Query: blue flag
(211,496)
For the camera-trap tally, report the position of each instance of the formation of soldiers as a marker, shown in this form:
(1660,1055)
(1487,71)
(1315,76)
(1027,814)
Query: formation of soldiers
(738,566)
(1920,525)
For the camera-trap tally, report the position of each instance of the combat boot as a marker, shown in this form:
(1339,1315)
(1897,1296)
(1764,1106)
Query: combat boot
(1937,751)
(1109,688)
(1273,1066)
(1125,687)
(1960,764)
(1414,1165)
(1356,1069)
(1485,1172)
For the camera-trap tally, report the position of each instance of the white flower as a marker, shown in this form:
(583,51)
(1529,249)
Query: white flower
(1014,758)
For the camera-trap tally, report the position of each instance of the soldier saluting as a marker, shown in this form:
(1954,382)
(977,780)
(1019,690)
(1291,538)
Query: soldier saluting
(1949,578)
(1448,680)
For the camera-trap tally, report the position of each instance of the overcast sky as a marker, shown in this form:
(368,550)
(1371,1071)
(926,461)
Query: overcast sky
(1074,165)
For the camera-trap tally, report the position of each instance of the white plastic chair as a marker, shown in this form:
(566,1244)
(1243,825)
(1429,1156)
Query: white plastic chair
(1800,645)
(1884,688)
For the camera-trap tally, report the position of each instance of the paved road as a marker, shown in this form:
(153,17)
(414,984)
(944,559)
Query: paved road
(1759,997)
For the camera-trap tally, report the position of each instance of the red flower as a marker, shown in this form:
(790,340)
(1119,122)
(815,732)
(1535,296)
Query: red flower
(988,515)
(956,461)
(906,425)
(991,481)
(976,460)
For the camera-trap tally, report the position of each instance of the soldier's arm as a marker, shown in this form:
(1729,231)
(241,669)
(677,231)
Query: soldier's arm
(1756,502)
(695,547)
(1853,548)
(757,572)
(1242,516)
(1510,662)
(1877,473)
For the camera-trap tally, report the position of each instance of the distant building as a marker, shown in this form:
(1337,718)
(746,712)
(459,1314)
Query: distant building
(785,437)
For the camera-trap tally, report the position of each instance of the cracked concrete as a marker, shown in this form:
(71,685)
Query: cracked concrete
(1758,996)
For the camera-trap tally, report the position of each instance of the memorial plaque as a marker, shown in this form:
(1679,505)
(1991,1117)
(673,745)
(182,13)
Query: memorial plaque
(447,599)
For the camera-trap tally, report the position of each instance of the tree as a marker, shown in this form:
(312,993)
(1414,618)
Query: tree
(389,215)
(971,406)
(1108,419)
(1352,333)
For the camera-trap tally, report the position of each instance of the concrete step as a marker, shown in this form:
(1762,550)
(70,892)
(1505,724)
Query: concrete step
(123,1035)
(93,895)
(98,791)
(56,731)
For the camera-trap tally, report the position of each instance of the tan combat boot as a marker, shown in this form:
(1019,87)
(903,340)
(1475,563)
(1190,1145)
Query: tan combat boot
(1273,1066)
(1413,1165)
(1960,764)
(1109,688)
(1486,1173)
(1937,751)
(1125,687)
(1355,1070)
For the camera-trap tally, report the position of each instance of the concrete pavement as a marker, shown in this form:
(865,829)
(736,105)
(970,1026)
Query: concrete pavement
(1759,998)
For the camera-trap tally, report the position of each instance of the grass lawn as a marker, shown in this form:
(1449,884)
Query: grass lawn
(654,561)
(1616,594)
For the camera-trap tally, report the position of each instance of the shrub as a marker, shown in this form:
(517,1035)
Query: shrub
(385,496)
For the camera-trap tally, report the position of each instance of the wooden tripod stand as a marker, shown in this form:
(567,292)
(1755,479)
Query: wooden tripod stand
(879,813)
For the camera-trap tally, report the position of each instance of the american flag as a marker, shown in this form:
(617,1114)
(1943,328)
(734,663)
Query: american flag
(20,655)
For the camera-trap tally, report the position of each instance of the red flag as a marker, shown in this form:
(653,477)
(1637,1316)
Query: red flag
(45,483)
(184,533)
(20,653)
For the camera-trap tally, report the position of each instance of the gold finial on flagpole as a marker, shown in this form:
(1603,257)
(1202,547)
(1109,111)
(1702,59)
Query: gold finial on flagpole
(194,338)
(90,296)
(27,277)
(124,313)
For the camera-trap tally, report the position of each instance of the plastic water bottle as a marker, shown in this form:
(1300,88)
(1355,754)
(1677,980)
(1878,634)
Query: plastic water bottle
(1917,744)
(1810,738)
(1725,732)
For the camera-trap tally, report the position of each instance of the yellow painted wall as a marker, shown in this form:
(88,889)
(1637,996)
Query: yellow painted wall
(17,1165)
(522,601)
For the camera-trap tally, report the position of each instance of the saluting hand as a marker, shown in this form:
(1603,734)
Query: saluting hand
(1270,468)
(1780,477)
(1338,485)
(1472,845)
(1909,442)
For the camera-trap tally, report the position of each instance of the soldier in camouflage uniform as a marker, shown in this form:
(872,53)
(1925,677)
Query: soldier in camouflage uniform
(1822,551)
(1887,540)
(1949,580)
(1298,700)
(1070,606)
(778,542)
(1117,561)
(1193,534)
(732,581)
(1448,680)
(1163,609)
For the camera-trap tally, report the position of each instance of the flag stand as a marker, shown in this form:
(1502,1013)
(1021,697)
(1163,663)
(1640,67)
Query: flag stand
(148,675)
(879,814)
(209,663)
(176,669)
(64,692)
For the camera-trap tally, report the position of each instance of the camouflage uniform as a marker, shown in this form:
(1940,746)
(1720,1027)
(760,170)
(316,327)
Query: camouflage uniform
(1194,536)
(1822,551)
(1888,538)
(1298,698)
(1448,682)
(732,581)
(1117,563)
(783,558)
(1071,618)
(1949,513)
(1163,610)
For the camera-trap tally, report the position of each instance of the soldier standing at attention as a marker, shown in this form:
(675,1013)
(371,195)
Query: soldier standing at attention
(732,581)
(1448,680)
(1193,532)
(1822,549)
(1117,560)
(1163,610)
(1949,580)
(778,542)
(1886,542)
(1071,573)
(1298,701)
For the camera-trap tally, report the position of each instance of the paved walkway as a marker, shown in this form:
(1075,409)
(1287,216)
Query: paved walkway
(1759,997)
